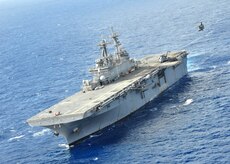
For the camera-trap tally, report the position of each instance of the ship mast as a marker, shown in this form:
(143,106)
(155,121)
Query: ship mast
(120,52)
(102,45)
(116,41)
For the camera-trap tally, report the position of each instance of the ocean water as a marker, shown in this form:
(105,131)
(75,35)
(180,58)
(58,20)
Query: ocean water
(46,47)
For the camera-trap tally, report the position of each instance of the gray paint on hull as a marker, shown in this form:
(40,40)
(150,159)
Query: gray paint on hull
(123,106)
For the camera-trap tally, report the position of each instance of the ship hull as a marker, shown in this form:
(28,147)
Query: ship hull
(123,105)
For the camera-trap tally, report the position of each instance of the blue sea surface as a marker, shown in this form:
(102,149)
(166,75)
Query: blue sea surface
(47,46)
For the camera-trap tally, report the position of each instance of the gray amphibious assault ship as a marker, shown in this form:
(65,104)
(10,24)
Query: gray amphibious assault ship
(120,86)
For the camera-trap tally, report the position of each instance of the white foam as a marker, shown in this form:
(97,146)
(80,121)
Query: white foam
(41,133)
(66,146)
(95,159)
(94,135)
(16,138)
(228,62)
(188,101)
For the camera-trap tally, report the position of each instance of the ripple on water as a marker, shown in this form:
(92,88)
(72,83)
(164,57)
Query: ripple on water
(16,138)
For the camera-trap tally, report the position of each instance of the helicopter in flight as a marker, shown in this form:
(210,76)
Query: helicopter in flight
(201,26)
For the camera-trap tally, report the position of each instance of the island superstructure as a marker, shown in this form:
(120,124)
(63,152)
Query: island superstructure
(120,86)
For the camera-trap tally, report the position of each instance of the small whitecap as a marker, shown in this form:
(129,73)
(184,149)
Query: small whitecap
(95,159)
(188,101)
(92,136)
(12,130)
(61,59)
(16,138)
(174,106)
(71,146)
(228,62)
(41,133)
(95,135)
(66,146)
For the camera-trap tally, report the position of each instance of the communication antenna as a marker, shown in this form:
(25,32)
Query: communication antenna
(116,41)
(103,46)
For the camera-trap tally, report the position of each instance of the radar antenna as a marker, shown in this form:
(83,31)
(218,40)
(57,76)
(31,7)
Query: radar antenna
(116,41)
(119,50)
(102,45)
